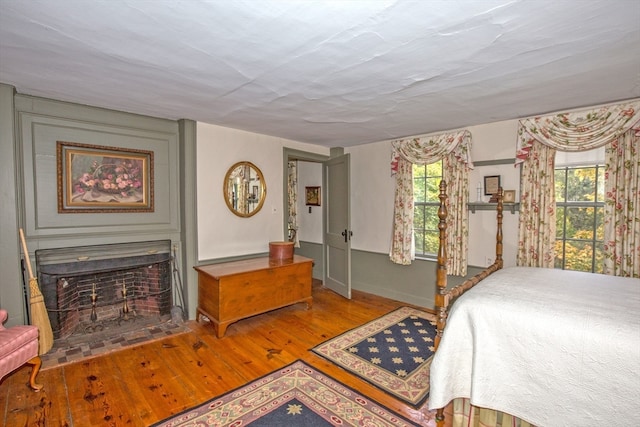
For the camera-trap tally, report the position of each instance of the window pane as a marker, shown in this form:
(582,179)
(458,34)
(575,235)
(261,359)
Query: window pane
(419,171)
(600,223)
(432,238)
(559,222)
(600,184)
(579,255)
(426,182)
(433,190)
(431,216)
(419,190)
(559,258)
(579,217)
(581,185)
(560,184)
(580,223)
(434,170)
(599,263)
(419,236)
(418,216)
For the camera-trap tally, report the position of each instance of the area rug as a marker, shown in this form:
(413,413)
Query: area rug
(296,395)
(392,352)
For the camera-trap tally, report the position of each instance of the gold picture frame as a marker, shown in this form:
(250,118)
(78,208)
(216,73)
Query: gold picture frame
(312,196)
(509,196)
(101,179)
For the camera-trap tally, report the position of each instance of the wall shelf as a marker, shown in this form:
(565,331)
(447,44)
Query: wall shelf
(483,206)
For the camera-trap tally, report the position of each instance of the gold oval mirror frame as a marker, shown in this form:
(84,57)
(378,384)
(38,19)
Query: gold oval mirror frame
(244,189)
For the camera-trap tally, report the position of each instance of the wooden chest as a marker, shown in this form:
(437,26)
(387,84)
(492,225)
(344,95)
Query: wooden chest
(231,291)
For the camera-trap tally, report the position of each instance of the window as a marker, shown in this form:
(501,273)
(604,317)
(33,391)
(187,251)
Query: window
(580,218)
(426,182)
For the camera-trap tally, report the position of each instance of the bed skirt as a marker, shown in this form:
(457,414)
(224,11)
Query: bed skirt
(466,415)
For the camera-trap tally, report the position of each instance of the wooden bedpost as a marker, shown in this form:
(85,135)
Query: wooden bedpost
(499,209)
(441,279)
(441,272)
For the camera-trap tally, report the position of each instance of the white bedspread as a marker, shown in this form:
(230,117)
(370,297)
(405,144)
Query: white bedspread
(555,348)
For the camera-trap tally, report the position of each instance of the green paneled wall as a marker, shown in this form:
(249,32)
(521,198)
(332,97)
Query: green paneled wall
(375,274)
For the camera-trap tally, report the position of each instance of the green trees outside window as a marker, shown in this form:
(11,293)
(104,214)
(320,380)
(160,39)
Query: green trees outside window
(426,181)
(580,218)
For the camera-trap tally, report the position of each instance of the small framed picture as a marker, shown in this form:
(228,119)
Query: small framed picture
(312,196)
(491,185)
(509,196)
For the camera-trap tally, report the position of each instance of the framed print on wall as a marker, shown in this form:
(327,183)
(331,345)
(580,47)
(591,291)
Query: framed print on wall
(100,179)
(509,196)
(491,185)
(312,196)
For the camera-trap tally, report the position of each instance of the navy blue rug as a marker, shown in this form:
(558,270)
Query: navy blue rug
(393,352)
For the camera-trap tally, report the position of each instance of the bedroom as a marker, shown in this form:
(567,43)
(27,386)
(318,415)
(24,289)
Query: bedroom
(219,147)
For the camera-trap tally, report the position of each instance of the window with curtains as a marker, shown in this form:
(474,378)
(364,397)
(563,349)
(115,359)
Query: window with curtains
(579,192)
(426,181)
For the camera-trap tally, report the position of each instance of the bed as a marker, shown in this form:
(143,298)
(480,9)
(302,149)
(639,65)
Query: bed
(550,347)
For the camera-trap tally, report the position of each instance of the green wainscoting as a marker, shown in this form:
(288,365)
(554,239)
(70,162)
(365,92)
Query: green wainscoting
(374,273)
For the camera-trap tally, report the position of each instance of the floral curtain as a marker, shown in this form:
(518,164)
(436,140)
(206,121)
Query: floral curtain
(578,131)
(402,244)
(292,189)
(457,241)
(622,206)
(455,151)
(537,227)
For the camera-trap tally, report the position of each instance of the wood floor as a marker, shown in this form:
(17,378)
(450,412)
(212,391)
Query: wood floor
(144,384)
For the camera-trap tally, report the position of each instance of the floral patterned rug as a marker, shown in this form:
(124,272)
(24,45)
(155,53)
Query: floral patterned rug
(392,352)
(296,395)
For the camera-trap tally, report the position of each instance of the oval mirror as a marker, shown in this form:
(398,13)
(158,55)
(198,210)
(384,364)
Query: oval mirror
(244,189)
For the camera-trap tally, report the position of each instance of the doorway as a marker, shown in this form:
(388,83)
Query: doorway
(310,245)
(329,238)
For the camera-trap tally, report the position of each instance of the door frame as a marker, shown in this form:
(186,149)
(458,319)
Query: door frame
(289,154)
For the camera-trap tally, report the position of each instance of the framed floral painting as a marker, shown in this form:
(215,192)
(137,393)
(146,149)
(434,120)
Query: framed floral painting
(99,179)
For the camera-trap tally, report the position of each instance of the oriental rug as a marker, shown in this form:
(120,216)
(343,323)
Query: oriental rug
(392,352)
(296,395)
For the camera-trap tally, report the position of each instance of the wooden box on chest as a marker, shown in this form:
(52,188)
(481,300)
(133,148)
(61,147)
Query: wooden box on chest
(231,291)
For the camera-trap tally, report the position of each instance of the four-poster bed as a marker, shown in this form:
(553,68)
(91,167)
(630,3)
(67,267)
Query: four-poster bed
(548,346)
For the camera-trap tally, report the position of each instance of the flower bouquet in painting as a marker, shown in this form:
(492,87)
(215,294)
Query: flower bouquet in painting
(109,179)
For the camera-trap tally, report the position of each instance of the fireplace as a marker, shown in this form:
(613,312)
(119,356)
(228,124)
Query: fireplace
(87,289)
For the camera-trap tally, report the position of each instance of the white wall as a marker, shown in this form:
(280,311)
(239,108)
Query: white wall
(493,141)
(372,192)
(222,234)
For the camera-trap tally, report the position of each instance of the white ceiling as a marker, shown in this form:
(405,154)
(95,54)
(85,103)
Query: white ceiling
(333,73)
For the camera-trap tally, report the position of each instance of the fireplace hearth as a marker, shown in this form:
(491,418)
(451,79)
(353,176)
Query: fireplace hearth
(105,289)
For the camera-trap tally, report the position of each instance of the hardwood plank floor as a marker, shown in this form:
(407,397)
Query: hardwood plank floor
(140,385)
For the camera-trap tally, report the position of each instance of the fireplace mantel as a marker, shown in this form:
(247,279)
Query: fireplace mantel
(96,258)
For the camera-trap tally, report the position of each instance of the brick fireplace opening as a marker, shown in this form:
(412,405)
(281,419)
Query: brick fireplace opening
(112,287)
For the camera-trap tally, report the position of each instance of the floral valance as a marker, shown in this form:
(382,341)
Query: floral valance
(430,149)
(577,131)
